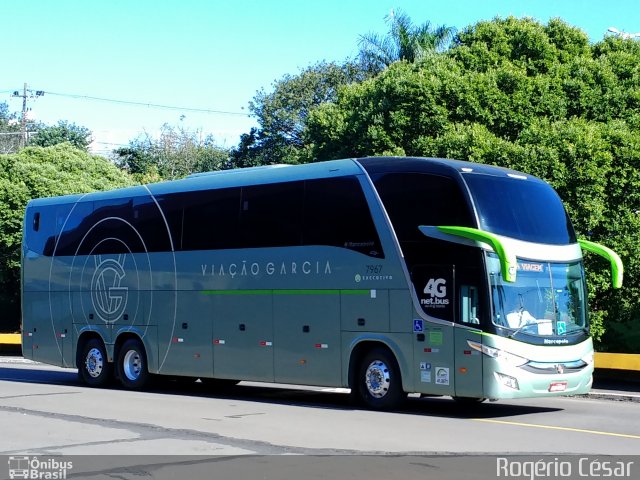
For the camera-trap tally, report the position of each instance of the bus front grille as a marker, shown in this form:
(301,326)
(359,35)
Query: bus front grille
(554,367)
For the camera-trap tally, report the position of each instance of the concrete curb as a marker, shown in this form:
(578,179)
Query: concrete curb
(617,361)
(10,344)
(613,396)
(10,339)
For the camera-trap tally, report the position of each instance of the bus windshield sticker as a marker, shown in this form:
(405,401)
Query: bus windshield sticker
(531,267)
(562,327)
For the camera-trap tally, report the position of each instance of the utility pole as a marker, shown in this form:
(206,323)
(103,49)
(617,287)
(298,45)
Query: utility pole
(23,121)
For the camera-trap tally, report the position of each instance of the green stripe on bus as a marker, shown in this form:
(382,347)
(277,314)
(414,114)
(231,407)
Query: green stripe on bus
(286,292)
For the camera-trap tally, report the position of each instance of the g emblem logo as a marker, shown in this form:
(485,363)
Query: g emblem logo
(109,298)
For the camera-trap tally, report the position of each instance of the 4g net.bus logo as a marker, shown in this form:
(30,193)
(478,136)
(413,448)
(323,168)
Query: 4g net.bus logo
(436,289)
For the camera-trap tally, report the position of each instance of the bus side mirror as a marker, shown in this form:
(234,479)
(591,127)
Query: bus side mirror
(508,262)
(617,268)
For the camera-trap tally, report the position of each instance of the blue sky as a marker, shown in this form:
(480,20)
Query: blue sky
(213,55)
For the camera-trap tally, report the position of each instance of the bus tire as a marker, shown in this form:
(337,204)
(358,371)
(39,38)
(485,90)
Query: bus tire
(378,381)
(132,365)
(94,368)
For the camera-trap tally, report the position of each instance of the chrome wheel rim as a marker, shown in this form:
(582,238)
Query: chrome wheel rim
(94,363)
(132,365)
(377,379)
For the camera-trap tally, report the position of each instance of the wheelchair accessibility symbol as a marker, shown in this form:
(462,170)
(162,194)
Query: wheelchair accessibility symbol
(562,328)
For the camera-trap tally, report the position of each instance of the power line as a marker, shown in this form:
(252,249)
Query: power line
(146,104)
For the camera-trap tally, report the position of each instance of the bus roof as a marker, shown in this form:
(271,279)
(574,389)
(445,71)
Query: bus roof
(436,166)
(279,173)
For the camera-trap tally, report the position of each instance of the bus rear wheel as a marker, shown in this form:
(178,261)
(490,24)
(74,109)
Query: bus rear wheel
(132,365)
(94,367)
(379,385)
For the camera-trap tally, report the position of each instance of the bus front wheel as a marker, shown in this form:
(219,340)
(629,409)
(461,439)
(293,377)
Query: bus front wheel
(94,366)
(132,365)
(379,385)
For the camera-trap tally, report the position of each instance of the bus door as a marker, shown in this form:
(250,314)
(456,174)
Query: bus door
(468,361)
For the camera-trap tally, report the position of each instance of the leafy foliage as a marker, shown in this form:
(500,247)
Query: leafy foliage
(5,115)
(41,172)
(176,153)
(404,42)
(282,113)
(9,130)
(63,131)
(38,133)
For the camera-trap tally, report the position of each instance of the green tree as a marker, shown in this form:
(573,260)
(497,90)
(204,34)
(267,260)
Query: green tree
(386,114)
(63,131)
(524,43)
(404,41)
(9,130)
(40,172)
(175,153)
(282,113)
(5,115)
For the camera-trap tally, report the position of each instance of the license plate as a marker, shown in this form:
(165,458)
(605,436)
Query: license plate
(558,387)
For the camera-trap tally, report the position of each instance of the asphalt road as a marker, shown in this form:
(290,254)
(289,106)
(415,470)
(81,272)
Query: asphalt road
(45,410)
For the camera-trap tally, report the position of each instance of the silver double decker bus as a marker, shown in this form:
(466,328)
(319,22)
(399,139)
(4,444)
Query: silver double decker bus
(385,275)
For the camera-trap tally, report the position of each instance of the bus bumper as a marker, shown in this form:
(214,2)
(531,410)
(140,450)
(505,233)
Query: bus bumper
(538,371)
(516,383)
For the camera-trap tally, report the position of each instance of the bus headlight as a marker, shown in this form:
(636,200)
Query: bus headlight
(508,381)
(500,355)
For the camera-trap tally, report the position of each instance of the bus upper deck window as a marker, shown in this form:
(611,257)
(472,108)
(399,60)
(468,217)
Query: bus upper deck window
(36,221)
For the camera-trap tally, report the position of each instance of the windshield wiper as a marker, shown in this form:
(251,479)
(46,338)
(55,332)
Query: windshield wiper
(520,328)
(521,311)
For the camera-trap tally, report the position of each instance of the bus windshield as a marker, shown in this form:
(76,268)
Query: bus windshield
(524,209)
(547,299)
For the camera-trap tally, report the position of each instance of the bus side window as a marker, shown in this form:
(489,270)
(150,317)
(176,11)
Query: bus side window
(336,213)
(469,305)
